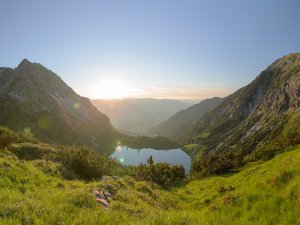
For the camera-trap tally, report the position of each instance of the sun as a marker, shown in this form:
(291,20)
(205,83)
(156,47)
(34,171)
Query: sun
(111,89)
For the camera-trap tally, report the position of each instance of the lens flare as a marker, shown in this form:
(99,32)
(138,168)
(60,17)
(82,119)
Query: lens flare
(119,148)
(76,105)
(45,122)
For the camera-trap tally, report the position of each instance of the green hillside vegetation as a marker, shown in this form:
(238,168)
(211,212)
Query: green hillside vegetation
(39,184)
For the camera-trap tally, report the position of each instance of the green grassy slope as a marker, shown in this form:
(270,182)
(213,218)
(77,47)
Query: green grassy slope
(34,192)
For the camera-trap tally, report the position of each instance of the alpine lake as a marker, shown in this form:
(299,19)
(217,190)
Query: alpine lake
(134,157)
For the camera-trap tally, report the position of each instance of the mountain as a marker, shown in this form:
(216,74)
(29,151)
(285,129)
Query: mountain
(176,125)
(256,121)
(34,99)
(138,115)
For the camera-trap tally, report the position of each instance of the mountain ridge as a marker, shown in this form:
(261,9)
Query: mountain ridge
(250,118)
(35,98)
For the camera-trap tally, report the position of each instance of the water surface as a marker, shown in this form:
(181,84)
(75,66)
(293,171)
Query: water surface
(128,156)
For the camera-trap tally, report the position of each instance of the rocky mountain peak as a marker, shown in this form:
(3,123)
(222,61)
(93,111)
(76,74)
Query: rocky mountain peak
(34,95)
(24,62)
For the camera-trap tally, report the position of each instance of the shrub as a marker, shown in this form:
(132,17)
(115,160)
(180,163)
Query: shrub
(30,151)
(7,136)
(162,174)
(215,163)
(84,162)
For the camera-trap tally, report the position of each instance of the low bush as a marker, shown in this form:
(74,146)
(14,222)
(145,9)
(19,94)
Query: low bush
(84,162)
(215,164)
(162,174)
(30,151)
(7,136)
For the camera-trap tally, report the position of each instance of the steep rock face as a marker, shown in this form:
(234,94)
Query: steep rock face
(252,115)
(177,125)
(36,99)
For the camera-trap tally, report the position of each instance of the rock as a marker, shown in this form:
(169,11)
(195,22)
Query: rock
(96,192)
(108,194)
(115,177)
(103,202)
(102,197)
(105,178)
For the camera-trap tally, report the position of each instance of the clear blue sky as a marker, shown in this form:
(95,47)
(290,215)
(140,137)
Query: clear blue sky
(162,48)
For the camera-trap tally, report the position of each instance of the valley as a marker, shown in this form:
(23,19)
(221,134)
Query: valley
(232,160)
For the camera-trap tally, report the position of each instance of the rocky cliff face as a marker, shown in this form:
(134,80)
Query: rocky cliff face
(254,114)
(36,99)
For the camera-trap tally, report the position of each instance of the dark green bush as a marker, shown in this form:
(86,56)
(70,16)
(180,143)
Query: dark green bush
(162,174)
(84,162)
(7,136)
(30,151)
(215,163)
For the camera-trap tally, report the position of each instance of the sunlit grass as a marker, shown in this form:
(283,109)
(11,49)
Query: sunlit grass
(33,192)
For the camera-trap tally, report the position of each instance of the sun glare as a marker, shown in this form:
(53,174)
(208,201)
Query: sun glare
(111,89)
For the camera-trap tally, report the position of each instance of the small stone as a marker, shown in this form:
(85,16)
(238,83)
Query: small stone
(105,178)
(108,194)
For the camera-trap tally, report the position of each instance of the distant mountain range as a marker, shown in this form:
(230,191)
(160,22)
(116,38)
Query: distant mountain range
(34,99)
(177,125)
(138,115)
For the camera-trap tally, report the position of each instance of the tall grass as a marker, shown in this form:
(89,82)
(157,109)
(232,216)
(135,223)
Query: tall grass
(34,192)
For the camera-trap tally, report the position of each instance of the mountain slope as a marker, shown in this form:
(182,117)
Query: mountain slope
(140,114)
(177,124)
(34,99)
(251,118)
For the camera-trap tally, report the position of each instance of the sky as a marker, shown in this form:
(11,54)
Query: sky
(180,49)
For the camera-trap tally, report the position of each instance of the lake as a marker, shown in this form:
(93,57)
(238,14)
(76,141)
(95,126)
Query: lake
(133,157)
